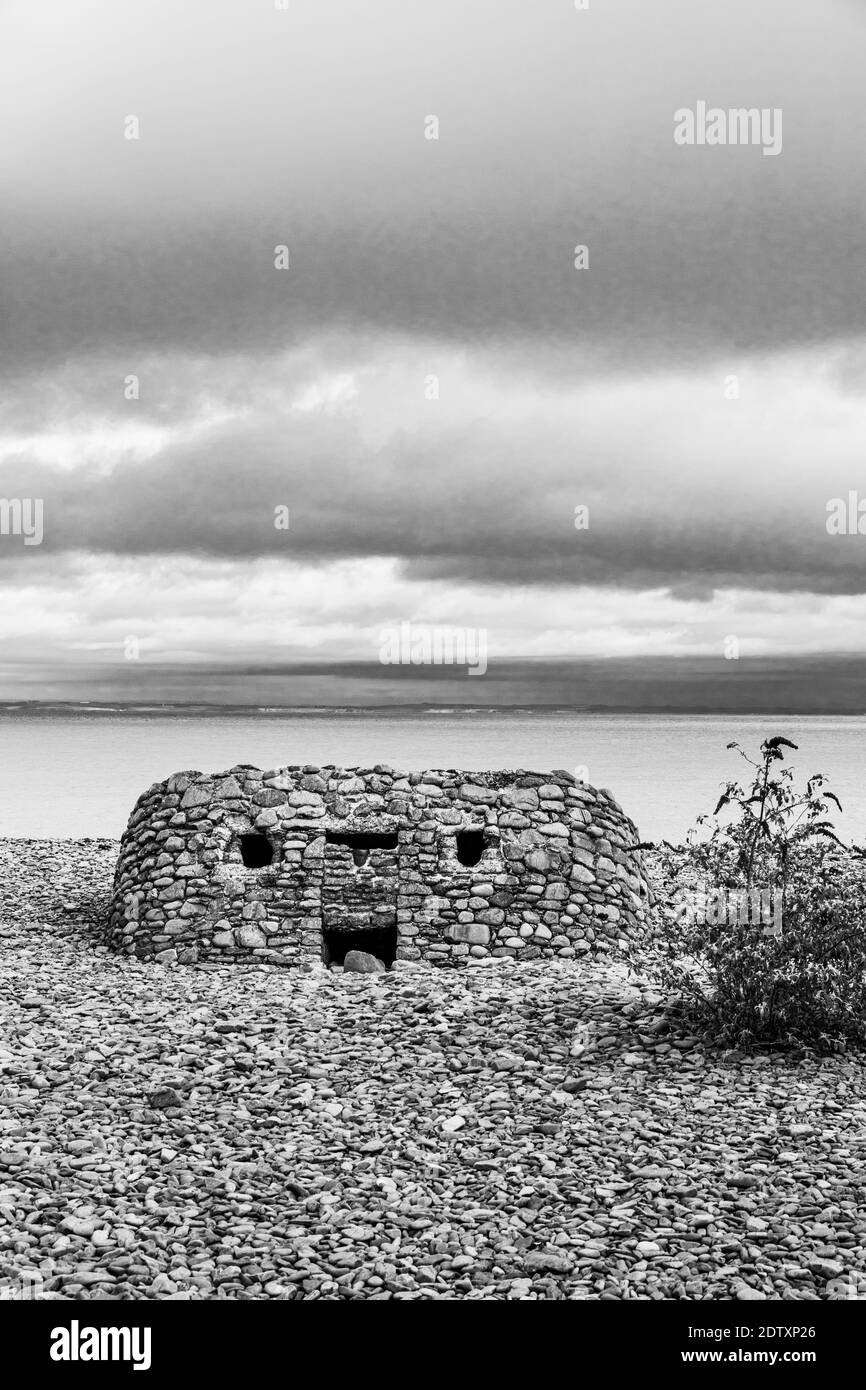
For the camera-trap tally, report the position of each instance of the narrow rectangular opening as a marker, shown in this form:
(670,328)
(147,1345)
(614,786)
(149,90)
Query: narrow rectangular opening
(363,839)
(376,941)
(360,842)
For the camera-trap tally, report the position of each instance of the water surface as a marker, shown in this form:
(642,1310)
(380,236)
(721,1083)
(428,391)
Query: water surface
(70,775)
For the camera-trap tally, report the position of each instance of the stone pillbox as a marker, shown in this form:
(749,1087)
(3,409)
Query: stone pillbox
(308,863)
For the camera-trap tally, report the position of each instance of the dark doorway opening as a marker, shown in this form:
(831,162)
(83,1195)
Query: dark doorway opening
(360,842)
(256,851)
(376,941)
(470,846)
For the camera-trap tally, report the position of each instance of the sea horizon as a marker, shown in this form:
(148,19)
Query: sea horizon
(762,686)
(396,711)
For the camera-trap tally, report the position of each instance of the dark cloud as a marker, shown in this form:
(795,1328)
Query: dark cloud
(656,290)
(556,129)
(259,387)
(680,487)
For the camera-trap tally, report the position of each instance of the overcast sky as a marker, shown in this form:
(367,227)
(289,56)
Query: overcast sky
(700,387)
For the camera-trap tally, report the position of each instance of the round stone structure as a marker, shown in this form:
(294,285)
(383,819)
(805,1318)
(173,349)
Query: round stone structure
(306,863)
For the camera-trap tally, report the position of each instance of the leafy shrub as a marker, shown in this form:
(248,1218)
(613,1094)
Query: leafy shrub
(797,974)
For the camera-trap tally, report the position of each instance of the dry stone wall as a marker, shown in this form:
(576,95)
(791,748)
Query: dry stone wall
(309,862)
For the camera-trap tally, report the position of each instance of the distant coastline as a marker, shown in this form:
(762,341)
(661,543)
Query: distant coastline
(86,709)
(776,687)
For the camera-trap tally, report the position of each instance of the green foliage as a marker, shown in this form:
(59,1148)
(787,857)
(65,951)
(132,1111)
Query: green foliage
(747,981)
(770,822)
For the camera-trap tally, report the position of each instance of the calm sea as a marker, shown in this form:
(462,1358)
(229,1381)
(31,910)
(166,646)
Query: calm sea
(69,775)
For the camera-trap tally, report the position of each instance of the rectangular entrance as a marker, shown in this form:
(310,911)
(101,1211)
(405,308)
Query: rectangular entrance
(376,941)
(359,894)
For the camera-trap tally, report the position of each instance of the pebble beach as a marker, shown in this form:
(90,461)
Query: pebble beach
(500,1131)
